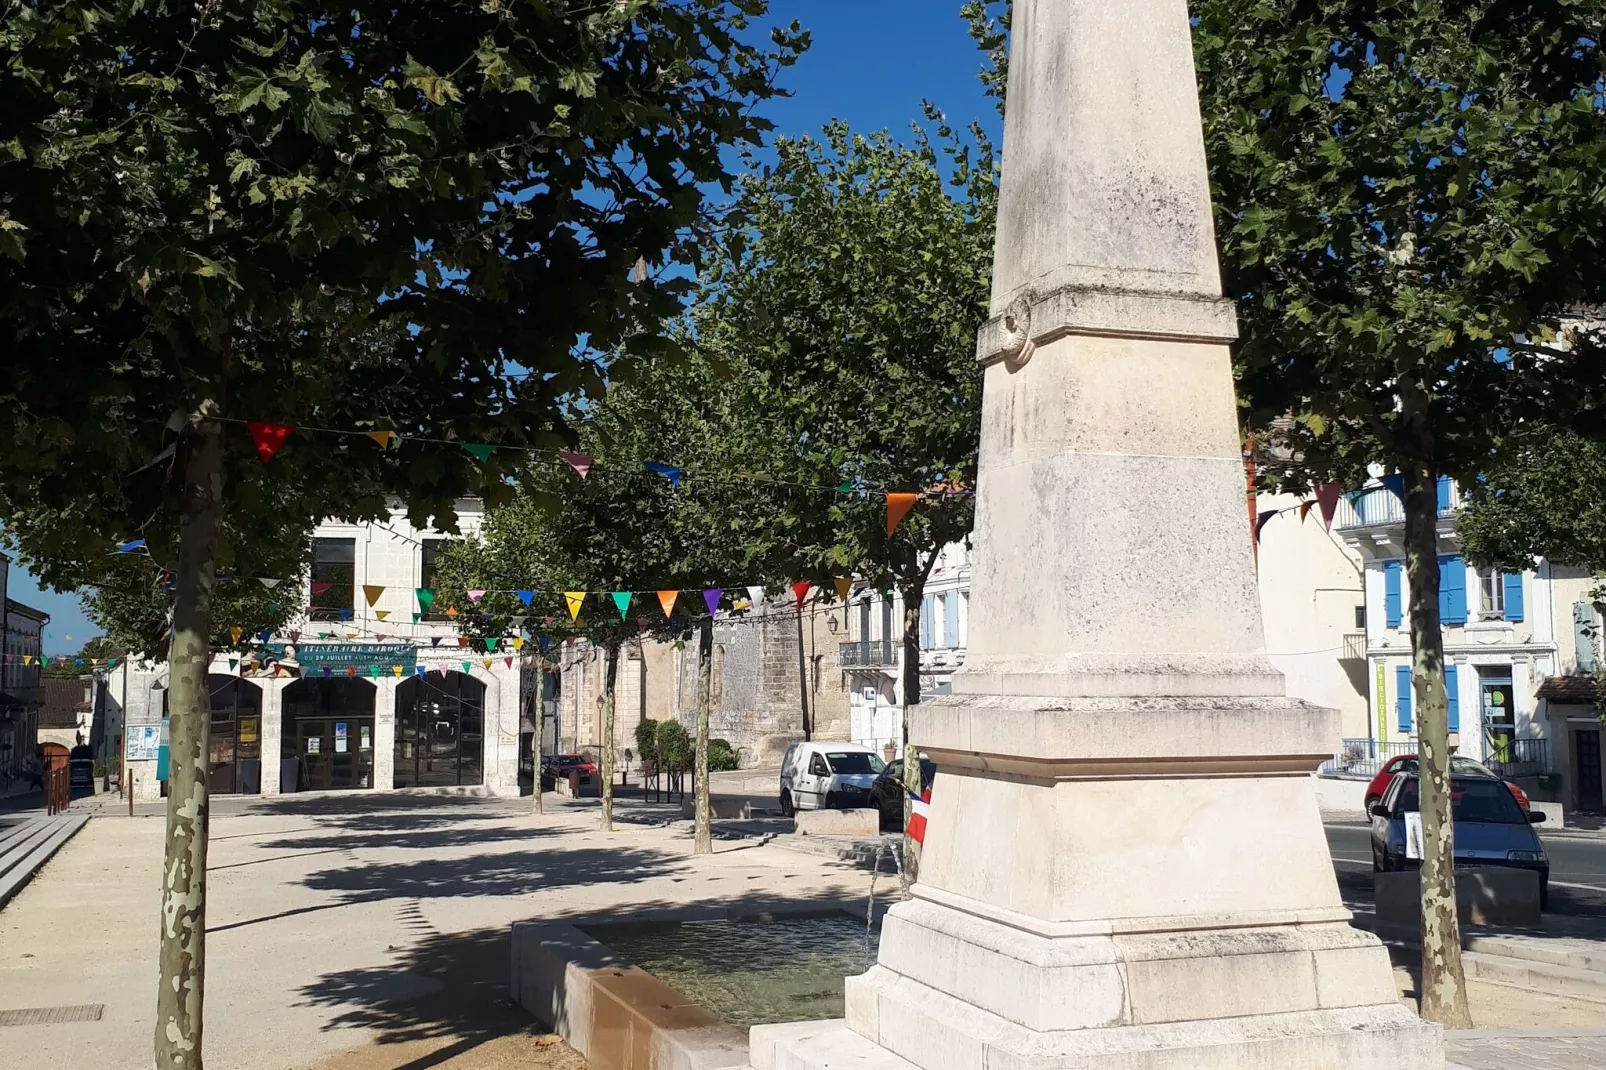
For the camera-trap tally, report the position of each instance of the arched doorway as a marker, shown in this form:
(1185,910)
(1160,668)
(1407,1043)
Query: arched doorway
(440,731)
(234,742)
(327,735)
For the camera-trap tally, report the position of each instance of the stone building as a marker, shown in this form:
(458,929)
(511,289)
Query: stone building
(356,695)
(23,629)
(767,662)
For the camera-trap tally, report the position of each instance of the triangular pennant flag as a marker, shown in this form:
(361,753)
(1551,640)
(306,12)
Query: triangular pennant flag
(518,642)
(491,644)
(509,662)
(320,586)
(668,471)
(372,591)
(130,546)
(381,613)
(265,634)
(235,633)
(1395,484)
(1265,517)
(845,487)
(268,582)
(667,600)
(843,585)
(416,616)
(380,638)
(434,640)
(421,670)
(621,599)
(327,671)
(384,438)
(575,600)
(462,641)
(800,591)
(580,462)
(345,614)
(268,437)
(295,637)
(518,622)
(351,671)
(397,669)
(755,594)
(526,597)
(488,662)
(373,670)
(1305,508)
(898,506)
(451,611)
(234,663)
(711,597)
(1327,497)
(480,451)
(425,596)
(475,596)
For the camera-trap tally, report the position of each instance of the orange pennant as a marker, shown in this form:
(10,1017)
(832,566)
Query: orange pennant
(372,591)
(667,600)
(843,585)
(384,438)
(898,506)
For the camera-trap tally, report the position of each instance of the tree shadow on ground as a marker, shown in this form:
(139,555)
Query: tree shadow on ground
(507,873)
(432,838)
(455,986)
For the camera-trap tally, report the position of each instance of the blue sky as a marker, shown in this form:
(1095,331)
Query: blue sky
(872,63)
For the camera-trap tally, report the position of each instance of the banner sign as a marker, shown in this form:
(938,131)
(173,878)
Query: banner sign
(313,657)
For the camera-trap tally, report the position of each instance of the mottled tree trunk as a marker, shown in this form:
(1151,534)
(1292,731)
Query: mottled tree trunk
(1444,990)
(611,652)
(181,950)
(705,674)
(538,805)
(913,595)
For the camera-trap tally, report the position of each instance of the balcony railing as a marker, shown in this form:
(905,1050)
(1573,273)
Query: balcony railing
(1379,505)
(1354,647)
(1517,757)
(868,654)
(1364,757)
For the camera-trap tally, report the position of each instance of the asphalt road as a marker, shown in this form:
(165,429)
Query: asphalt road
(1577,867)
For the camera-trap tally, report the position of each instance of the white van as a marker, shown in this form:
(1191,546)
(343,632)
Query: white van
(822,776)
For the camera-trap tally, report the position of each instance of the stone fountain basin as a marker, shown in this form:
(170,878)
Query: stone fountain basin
(622,1017)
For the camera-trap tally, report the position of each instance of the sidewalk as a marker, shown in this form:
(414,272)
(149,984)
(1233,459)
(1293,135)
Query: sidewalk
(1521,1049)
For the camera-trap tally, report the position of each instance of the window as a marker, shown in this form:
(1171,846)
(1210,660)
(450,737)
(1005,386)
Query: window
(848,762)
(1491,594)
(428,568)
(1360,618)
(334,578)
(817,766)
(1487,801)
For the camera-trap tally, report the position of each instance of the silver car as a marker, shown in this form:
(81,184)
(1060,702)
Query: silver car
(1490,829)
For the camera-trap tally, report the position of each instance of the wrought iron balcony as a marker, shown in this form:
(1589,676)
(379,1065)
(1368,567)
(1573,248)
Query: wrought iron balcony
(1354,647)
(868,654)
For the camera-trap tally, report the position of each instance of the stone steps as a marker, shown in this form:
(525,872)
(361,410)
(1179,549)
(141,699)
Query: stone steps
(1535,976)
(28,845)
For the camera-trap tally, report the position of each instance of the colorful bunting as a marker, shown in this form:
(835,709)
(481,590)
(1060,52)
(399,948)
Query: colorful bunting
(384,438)
(130,546)
(426,598)
(800,591)
(475,596)
(843,585)
(898,506)
(451,611)
(381,613)
(466,667)
(1327,497)
(345,614)
(372,591)
(268,437)
(488,662)
(509,662)
(491,644)
(755,594)
(462,641)
(268,582)
(1260,524)
(1305,508)
(479,450)
(526,596)
(575,600)
(845,487)
(235,633)
(711,597)
(1395,484)
(518,642)
(580,462)
(668,471)
(434,640)
(320,586)
(351,672)
(621,599)
(667,600)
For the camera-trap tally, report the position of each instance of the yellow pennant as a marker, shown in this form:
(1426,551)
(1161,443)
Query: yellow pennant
(235,633)
(843,585)
(381,613)
(487,663)
(372,591)
(397,669)
(575,599)
(518,642)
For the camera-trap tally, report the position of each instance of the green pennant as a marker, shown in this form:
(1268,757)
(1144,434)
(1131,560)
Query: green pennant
(622,600)
(426,598)
(845,487)
(416,616)
(234,663)
(480,450)
(465,668)
(373,670)
(491,645)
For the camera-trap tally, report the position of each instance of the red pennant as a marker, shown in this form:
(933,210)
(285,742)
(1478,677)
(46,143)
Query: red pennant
(1304,510)
(268,437)
(800,591)
(1327,497)
(898,506)
(580,462)
(319,587)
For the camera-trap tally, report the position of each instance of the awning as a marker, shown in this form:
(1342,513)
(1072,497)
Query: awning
(1572,690)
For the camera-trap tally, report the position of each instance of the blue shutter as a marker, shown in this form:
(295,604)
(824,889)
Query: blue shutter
(1443,490)
(925,622)
(1455,699)
(1402,700)
(1452,590)
(950,619)
(1391,593)
(1513,581)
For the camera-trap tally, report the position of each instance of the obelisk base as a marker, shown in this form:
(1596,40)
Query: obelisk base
(1164,898)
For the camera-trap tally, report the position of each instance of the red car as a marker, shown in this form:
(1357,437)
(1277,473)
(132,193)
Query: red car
(1407,763)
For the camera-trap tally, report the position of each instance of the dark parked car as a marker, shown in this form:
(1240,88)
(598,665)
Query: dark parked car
(887,793)
(1490,829)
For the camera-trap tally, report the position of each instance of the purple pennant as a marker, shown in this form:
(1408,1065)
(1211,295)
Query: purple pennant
(711,597)
(328,671)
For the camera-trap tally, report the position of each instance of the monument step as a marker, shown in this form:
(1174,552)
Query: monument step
(822,1045)
(1534,976)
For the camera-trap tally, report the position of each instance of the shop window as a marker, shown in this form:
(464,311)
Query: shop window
(428,572)
(334,578)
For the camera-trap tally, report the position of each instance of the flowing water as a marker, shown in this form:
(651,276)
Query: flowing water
(751,972)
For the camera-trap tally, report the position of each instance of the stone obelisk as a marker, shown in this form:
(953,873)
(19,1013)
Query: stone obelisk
(1125,866)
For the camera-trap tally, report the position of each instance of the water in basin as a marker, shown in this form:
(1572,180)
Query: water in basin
(750,972)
